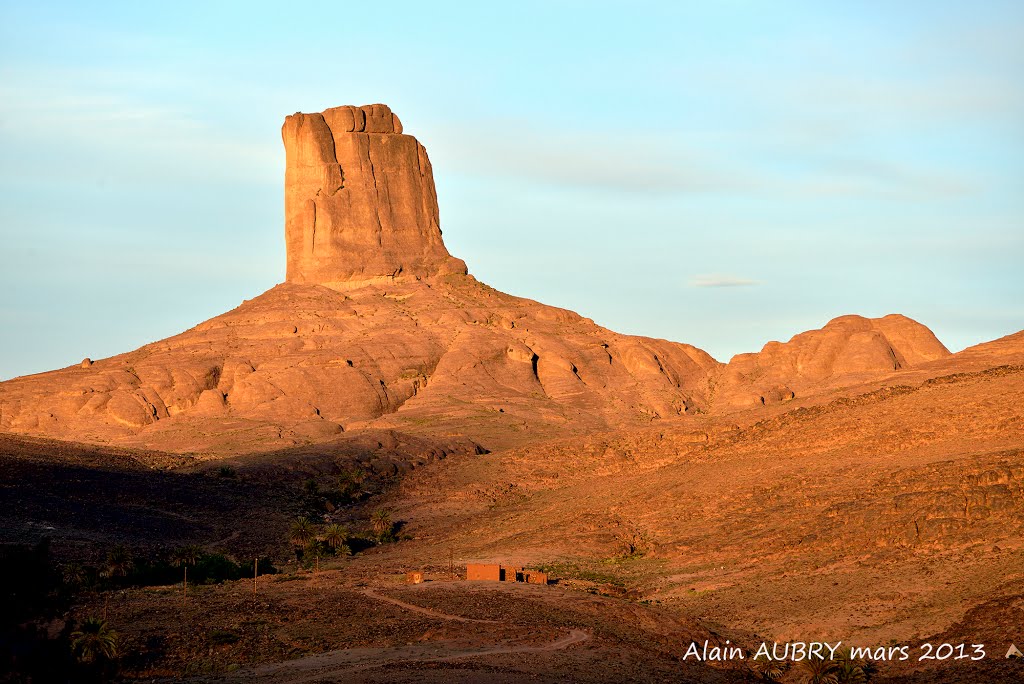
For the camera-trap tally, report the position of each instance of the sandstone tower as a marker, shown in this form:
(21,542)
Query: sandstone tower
(359,199)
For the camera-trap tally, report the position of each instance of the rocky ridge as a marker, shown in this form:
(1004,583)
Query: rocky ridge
(846,350)
(378,326)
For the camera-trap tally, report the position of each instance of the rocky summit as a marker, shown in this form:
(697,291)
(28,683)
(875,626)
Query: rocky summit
(359,199)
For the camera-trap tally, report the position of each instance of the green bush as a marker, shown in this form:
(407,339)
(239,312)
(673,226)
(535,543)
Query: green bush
(207,568)
(223,637)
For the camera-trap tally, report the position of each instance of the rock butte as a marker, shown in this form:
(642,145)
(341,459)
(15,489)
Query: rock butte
(359,199)
(378,326)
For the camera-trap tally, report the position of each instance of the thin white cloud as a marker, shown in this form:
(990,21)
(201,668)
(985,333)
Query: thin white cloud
(606,161)
(796,160)
(95,131)
(721,281)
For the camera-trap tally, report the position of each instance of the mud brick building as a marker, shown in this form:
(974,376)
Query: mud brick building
(492,572)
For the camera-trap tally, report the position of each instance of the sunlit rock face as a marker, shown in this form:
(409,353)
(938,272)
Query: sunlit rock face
(360,202)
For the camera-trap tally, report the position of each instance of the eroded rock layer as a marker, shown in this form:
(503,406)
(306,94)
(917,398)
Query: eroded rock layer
(846,350)
(303,362)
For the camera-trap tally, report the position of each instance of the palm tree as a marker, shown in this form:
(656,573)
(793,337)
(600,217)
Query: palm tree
(94,641)
(317,549)
(817,670)
(335,536)
(183,557)
(119,562)
(767,669)
(187,555)
(350,485)
(74,574)
(381,521)
(850,670)
(302,531)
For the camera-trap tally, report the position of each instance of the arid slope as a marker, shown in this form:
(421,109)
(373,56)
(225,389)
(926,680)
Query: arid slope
(881,516)
(301,363)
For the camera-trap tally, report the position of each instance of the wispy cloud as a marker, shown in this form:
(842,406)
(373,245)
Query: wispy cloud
(796,160)
(721,281)
(92,125)
(849,175)
(604,162)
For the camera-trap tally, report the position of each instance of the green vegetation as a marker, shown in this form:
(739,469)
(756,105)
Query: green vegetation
(850,670)
(575,571)
(302,532)
(350,487)
(94,641)
(313,541)
(187,555)
(617,575)
(815,670)
(315,548)
(222,637)
(382,525)
(74,575)
(767,669)
(122,569)
(336,538)
(119,562)
(350,484)
(94,646)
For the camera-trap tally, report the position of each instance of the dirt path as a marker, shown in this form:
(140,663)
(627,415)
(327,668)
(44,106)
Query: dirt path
(424,611)
(341,664)
(231,537)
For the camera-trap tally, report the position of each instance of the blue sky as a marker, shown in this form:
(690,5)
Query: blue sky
(721,173)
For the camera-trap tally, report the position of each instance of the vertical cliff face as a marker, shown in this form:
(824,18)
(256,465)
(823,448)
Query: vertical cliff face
(360,202)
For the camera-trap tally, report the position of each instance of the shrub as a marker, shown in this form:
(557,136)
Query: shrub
(223,637)
(119,562)
(94,641)
(382,524)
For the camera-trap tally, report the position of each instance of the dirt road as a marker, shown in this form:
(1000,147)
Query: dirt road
(341,665)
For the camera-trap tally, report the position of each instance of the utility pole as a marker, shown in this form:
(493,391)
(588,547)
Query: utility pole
(255,574)
(184,586)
